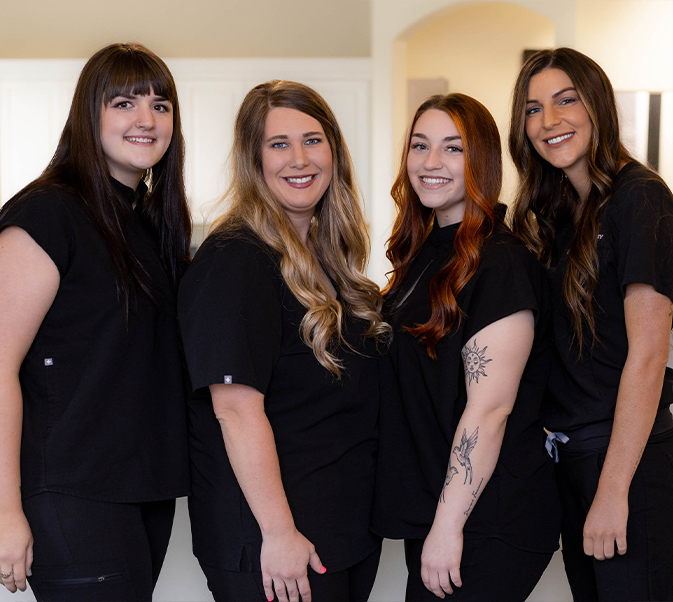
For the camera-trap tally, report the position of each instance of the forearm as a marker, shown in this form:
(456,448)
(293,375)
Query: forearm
(11,420)
(637,403)
(251,448)
(464,484)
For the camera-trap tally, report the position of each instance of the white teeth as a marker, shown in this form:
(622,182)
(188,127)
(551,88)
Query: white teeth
(141,140)
(434,181)
(559,139)
(303,180)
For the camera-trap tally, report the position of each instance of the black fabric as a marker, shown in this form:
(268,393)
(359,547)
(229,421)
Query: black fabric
(103,401)
(635,245)
(490,569)
(423,400)
(353,584)
(645,572)
(93,551)
(240,324)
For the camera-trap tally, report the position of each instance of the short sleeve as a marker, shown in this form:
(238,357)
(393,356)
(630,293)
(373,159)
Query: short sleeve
(509,280)
(48,219)
(230,315)
(645,237)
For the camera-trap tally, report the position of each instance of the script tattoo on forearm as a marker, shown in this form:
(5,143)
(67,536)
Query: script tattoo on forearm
(464,450)
(450,473)
(474,362)
(475,493)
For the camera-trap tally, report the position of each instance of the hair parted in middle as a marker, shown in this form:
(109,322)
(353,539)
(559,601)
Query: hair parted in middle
(338,231)
(483,179)
(546,198)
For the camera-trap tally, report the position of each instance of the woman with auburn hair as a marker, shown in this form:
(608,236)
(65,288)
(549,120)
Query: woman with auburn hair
(602,223)
(463,476)
(93,435)
(281,328)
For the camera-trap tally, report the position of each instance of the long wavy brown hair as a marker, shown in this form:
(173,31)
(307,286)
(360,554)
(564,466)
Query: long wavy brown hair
(546,198)
(483,180)
(338,231)
(79,165)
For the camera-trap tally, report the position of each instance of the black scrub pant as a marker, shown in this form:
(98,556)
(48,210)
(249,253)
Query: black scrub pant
(353,584)
(490,569)
(645,572)
(91,551)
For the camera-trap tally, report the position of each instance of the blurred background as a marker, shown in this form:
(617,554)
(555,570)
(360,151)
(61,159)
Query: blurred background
(373,60)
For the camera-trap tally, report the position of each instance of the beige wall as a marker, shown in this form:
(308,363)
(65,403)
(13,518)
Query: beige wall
(186,28)
(631,39)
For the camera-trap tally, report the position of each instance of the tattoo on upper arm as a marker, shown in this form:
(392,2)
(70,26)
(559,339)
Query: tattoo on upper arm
(474,361)
(464,450)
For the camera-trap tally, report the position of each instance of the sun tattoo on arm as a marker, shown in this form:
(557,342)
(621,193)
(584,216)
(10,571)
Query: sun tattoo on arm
(474,362)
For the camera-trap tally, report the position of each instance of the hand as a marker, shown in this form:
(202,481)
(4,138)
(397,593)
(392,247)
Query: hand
(16,549)
(606,525)
(440,560)
(284,562)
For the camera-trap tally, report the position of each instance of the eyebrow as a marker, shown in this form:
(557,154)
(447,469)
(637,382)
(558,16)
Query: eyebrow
(424,137)
(286,137)
(556,94)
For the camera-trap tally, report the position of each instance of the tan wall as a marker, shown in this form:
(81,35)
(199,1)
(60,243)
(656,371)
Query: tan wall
(186,28)
(631,39)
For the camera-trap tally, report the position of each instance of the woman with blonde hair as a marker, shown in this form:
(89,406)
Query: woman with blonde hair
(602,223)
(463,476)
(93,435)
(281,326)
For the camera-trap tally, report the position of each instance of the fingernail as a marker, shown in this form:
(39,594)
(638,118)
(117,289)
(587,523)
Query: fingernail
(324,570)
(30,572)
(270,599)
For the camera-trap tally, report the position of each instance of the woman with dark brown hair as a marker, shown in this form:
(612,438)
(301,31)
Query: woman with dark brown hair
(281,326)
(603,225)
(92,418)
(463,476)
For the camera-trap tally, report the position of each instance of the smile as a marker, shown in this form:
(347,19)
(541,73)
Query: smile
(559,138)
(299,180)
(434,181)
(139,140)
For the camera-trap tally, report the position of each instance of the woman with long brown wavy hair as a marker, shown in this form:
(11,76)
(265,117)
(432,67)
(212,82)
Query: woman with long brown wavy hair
(463,474)
(603,225)
(93,435)
(281,327)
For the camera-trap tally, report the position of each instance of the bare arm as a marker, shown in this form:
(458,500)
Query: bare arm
(648,326)
(251,448)
(29,281)
(494,360)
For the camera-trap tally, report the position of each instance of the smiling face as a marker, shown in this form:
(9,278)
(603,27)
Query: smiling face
(558,124)
(436,166)
(135,132)
(296,162)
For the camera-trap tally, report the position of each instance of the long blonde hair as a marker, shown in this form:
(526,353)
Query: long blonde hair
(337,233)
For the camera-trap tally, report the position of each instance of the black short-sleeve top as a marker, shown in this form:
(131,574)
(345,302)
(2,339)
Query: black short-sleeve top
(240,324)
(103,400)
(422,400)
(635,246)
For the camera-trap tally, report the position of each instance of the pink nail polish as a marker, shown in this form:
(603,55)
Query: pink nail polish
(324,570)
(270,599)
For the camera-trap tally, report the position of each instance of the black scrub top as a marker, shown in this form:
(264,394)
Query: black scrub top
(422,401)
(103,401)
(240,324)
(635,245)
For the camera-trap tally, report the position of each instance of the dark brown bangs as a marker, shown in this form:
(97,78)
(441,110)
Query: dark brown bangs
(138,76)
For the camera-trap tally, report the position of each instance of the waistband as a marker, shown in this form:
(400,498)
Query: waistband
(596,436)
